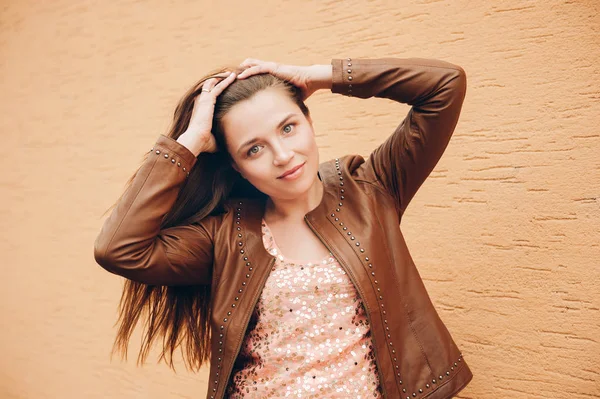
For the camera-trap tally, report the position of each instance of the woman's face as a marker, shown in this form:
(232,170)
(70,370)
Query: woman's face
(268,135)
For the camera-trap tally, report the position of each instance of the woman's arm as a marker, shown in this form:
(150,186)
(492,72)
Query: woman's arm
(131,242)
(435,89)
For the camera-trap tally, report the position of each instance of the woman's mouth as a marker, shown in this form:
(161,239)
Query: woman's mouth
(294,173)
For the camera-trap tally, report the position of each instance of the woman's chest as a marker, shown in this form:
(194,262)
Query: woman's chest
(294,242)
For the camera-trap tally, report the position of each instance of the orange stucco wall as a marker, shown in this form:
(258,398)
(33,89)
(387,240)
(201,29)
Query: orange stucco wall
(505,232)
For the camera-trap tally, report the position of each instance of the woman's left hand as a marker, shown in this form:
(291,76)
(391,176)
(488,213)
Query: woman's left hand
(307,78)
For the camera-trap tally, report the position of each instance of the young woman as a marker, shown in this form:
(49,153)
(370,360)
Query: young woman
(289,276)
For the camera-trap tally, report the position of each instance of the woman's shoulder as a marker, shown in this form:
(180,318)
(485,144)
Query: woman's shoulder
(352,166)
(355,173)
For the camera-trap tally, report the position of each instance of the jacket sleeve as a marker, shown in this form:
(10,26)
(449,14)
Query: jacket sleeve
(131,242)
(435,90)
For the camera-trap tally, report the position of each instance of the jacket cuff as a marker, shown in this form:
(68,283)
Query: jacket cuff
(177,154)
(342,76)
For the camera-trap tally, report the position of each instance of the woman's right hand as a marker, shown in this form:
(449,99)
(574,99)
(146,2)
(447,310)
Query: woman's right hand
(198,136)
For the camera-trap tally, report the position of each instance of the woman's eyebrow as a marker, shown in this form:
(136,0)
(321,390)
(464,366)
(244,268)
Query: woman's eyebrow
(255,139)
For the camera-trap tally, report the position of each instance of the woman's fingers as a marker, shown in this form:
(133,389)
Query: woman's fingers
(250,71)
(248,62)
(200,125)
(204,102)
(252,66)
(212,87)
(263,67)
(208,85)
(219,87)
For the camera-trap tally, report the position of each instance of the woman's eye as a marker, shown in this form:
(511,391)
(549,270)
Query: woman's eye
(286,127)
(250,152)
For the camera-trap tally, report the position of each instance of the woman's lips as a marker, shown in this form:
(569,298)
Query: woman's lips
(294,173)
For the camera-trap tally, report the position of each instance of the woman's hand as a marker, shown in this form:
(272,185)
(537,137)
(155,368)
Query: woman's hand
(198,136)
(307,78)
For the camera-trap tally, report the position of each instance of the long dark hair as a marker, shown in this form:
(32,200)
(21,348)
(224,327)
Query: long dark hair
(180,315)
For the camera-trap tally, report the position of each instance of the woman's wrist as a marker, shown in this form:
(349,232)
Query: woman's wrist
(321,76)
(195,145)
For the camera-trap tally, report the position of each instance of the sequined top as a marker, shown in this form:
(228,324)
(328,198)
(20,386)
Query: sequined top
(308,336)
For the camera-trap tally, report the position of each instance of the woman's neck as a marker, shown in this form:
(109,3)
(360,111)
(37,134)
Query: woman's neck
(277,209)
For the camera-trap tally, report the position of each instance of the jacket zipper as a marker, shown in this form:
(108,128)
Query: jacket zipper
(347,269)
(246,321)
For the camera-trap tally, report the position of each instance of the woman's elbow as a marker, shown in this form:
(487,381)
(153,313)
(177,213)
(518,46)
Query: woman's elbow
(110,262)
(107,256)
(460,80)
(104,257)
(129,266)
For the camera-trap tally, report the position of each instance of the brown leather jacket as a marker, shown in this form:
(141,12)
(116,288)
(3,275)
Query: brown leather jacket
(358,220)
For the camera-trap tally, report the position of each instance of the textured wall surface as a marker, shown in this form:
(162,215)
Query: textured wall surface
(505,232)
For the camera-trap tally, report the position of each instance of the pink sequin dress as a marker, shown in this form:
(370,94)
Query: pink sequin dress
(308,336)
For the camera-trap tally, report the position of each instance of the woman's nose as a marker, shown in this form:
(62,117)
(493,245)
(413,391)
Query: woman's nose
(283,155)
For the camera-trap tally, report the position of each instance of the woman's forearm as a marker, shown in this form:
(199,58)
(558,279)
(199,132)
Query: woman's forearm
(132,243)
(322,76)
(414,81)
(435,89)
